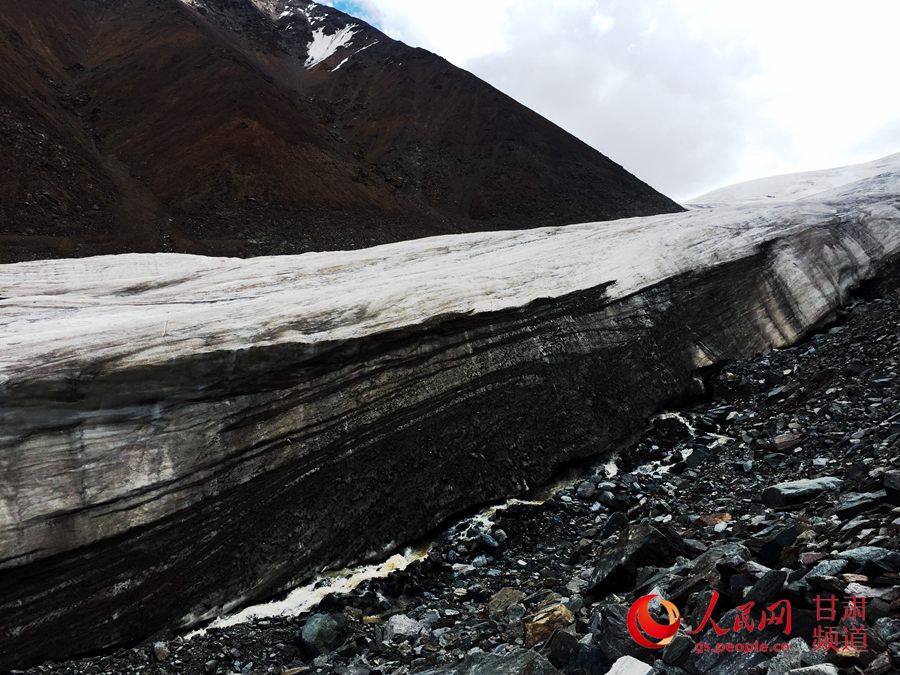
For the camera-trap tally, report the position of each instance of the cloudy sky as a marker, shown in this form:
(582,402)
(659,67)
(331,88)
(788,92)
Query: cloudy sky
(687,94)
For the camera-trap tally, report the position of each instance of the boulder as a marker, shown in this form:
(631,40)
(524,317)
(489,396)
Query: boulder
(501,601)
(628,665)
(401,625)
(639,546)
(799,491)
(547,621)
(852,504)
(323,632)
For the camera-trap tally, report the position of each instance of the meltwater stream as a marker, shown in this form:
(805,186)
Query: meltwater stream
(342,582)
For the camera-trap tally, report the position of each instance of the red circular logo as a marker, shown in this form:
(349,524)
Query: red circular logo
(641,623)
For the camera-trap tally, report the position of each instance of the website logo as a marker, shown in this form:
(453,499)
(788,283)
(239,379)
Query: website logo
(643,626)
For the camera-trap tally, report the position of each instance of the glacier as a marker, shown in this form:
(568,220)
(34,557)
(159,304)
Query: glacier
(180,435)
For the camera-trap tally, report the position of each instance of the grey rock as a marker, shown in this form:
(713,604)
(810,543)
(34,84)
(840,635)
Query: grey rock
(639,545)
(560,648)
(788,660)
(501,601)
(771,548)
(873,554)
(609,627)
(616,522)
(892,486)
(854,503)
(487,541)
(767,587)
(401,625)
(516,612)
(586,659)
(888,629)
(678,651)
(705,570)
(161,651)
(585,490)
(799,491)
(322,633)
(821,669)
(827,568)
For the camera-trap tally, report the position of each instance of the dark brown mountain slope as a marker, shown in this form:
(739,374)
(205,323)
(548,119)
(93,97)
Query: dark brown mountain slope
(246,127)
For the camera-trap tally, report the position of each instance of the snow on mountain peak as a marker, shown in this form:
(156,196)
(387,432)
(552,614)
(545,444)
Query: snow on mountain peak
(793,186)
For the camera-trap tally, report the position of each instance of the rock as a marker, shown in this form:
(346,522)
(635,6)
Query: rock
(788,441)
(767,587)
(853,503)
(873,555)
(548,620)
(161,651)
(888,629)
(516,612)
(771,549)
(821,669)
(628,665)
(714,519)
(585,490)
(322,633)
(678,651)
(488,542)
(502,599)
(827,568)
(516,661)
(799,491)
(588,659)
(733,662)
(616,522)
(401,625)
(789,659)
(892,486)
(640,545)
(609,627)
(881,665)
(705,571)
(560,648)
(697,457)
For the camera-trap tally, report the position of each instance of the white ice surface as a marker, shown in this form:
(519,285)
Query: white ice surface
(125,310)
(796,185)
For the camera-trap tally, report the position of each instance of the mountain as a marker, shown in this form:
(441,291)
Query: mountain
(181,435)
(245,127)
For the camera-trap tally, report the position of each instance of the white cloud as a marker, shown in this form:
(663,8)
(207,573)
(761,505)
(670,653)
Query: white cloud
(687,94)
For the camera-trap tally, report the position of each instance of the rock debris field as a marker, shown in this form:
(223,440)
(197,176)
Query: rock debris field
(781,487)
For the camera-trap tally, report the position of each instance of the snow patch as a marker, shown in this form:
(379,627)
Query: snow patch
(322,46)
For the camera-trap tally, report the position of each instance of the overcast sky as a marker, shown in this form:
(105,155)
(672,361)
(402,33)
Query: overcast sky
(689,95)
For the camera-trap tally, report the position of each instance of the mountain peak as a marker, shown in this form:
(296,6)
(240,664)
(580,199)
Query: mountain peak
(264,127)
